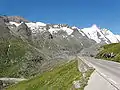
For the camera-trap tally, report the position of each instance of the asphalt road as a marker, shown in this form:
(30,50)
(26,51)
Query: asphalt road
(109,70)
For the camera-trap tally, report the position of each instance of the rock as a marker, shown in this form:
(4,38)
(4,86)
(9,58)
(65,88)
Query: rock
(17,19)
(83,67)
(76,84)
(1,84)
(2,21)
(109,55)
(25,31)
(4,32)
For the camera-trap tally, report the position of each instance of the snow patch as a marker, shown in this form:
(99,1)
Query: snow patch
(72,35)
(68,30)
(14,23)
(55,30)
(36,27)
(74,27)
(109,35)
(118,37)
(40,24)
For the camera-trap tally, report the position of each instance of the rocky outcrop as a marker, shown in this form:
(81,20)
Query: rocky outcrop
(24,31)
(109,55)
(17,19)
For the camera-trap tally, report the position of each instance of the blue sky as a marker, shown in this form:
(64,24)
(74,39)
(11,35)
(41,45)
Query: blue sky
(81,13)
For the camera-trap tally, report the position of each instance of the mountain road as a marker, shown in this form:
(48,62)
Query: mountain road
(108,70)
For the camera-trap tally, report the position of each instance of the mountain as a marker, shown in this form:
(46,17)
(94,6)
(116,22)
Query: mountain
(34,47)
(101,35)
(95,33)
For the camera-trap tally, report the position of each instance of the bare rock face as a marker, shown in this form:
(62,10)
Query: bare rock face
(24,31)
(4,30)
(17,19)
(2,21)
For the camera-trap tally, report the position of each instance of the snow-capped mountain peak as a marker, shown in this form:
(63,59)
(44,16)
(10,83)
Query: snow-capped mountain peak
(94,26)
(74,27)
(94,32)
(100,35)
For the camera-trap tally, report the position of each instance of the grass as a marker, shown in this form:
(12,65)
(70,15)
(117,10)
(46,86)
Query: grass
(59,78)
(115,48)
(16,57)
(10,56)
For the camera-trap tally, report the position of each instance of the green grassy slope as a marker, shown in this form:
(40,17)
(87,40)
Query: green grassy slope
(17,58)
(10,55)
(59,78)
(115,48)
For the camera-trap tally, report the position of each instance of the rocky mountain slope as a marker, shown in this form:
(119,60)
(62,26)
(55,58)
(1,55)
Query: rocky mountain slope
(28,48)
